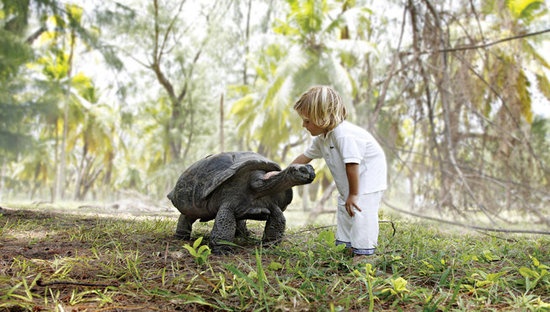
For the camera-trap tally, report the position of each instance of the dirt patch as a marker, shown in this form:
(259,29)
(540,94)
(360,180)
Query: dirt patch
(41,242)
(83,260)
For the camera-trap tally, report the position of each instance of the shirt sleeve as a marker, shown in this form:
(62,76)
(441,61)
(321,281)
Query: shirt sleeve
(314,150)
(351,153)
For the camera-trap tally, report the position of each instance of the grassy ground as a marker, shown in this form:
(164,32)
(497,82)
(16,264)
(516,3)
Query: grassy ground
(52,261)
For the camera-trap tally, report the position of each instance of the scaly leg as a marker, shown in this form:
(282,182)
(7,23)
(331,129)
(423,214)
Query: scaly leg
(184,228)
(275,226)
(242,230)
(225,226)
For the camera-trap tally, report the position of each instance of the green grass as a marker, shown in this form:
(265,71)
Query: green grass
(60,262)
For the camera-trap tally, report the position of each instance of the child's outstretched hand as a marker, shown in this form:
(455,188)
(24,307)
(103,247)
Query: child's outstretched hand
(269,174)
(351,204)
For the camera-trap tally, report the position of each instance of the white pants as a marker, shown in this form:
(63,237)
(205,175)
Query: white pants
(359,232)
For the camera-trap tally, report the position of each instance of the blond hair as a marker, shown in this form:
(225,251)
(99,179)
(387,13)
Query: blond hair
(323,106)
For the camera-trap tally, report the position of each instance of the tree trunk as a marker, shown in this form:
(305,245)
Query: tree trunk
(222,138)
(60,180)
(320,205)
(2,172)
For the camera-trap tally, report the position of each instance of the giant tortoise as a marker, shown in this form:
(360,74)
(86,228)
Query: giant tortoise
(230,188)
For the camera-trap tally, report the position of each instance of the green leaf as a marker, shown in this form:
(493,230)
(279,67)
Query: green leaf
(400,285)
(524,97)
(444,276)
(197,242)
(243,276)
(524,9)
(527,272)
(242,106)
(275,266)
(326,236)
(543,85)
(191,250)
(488,256)
(536,262)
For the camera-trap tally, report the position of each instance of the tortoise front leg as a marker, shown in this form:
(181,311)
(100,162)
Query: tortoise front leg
(224,229)
(184,227)
(274,226)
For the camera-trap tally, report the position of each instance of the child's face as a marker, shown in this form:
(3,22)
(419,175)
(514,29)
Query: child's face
(311,127)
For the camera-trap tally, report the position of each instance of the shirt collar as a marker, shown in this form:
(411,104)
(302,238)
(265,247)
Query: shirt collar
(328,134)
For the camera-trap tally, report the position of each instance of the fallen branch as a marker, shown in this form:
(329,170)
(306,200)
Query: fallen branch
(473,227)
(333,225)
(42,283)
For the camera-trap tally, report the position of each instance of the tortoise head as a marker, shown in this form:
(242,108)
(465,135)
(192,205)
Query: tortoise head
(300,174)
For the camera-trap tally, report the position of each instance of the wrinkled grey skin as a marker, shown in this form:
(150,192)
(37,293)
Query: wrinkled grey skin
(230,188)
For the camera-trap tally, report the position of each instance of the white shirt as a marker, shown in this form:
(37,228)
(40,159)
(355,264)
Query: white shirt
(348,143)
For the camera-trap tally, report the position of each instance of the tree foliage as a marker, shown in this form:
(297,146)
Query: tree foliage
(471,110)
(124,95)
(14,53)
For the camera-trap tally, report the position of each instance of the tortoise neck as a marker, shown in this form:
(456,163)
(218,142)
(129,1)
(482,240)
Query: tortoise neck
(272,185)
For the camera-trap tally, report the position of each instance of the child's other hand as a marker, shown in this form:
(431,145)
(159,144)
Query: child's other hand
(351,204)
(269,174)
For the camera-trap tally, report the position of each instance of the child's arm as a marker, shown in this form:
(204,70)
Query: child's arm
(352,172)
(302,159)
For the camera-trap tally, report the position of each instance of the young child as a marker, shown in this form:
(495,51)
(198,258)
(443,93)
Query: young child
(356,161)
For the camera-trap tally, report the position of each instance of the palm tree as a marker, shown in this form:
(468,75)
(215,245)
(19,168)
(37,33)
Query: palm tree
(59,80)
(302,52)
(95,137)
(17,112)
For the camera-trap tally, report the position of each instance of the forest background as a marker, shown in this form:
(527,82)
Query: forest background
(101,99)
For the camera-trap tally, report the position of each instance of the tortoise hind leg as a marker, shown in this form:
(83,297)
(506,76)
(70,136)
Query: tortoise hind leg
(242,230)
(184,228)
(274,226)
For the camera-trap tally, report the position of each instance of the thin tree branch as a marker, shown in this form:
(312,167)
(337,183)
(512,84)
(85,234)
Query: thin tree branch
(473,227)
(35,35)
(383,91)
(170,27)
(480,46)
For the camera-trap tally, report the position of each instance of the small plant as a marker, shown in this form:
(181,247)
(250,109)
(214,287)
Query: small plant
(94,295)
(255,284)
(537,274)
(370,280)
(93,264)
(487,280)
(398,287)
(133,262)
(328,239)
(370,277)
(198,252)
(21,291)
